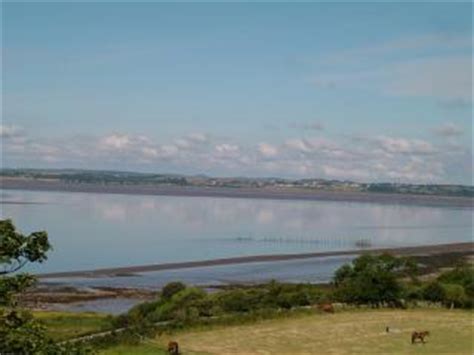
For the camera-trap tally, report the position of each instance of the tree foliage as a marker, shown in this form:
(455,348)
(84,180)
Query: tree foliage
(434,292)
(462,274)
(16,249)
(191,304)
(20,333)
(372,279)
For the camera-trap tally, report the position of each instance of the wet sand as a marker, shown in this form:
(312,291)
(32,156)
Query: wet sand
(257,193)
(467,247)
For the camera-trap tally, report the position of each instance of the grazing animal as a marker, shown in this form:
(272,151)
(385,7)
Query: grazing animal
(387,329)
(419,335)
(173,348)
(327,307)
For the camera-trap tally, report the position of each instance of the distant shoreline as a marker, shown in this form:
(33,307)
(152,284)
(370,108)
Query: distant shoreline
(467,247)
(227,192)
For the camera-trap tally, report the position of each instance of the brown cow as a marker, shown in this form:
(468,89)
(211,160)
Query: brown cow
(419,335)
(173,348)
(327,307)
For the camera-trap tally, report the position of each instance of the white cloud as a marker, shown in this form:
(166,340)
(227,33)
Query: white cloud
(318,145)
(150,152)
(404,146)
(298,145)
(198,137)
(418,170)
(9,131)
(227,150)
(169,150)
(183,143)
(191,141)
(267,150)
(115,141)
(346,173)
(382,158)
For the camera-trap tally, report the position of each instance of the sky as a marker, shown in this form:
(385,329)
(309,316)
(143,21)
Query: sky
(348,91)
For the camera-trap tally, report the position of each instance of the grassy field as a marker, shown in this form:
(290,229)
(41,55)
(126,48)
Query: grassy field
(144,349)
(64,325)
(140,350)
(348,332)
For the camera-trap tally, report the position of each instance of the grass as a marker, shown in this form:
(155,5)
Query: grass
(65,325)
(346,332)
(143,349)
(361,332)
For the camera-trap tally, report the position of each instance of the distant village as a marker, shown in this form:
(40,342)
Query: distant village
(73,176)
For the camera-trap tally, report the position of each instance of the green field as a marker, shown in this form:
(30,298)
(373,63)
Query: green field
(65,325)
(346,332)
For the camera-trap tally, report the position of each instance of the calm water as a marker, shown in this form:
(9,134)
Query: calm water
(101,230)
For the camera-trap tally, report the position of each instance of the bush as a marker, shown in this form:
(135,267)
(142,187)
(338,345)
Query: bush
(137,315)
(171,289)
(240,301)
(187,296)
(189,304)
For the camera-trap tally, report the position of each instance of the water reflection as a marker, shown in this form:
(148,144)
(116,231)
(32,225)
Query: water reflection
(100,230)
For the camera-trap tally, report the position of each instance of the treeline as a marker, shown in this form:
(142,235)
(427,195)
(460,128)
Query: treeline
(106,178)
(447,190)
(134,178)
(393,281)
(374,281)
(97,177)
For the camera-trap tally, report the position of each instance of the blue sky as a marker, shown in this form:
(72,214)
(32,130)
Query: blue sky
(358,91)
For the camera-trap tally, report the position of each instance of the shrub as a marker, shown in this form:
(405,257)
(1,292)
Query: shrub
(188,296)
(137,315)
(185,306)
(191,304)
(236,301)
(172,288)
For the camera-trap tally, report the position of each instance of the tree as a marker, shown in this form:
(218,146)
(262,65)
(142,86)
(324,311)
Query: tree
(434,292)
(462,274)
(20,333)
(372,279)
(16,250)
(455,296)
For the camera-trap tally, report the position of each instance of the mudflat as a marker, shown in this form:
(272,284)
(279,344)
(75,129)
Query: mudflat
(467,248)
